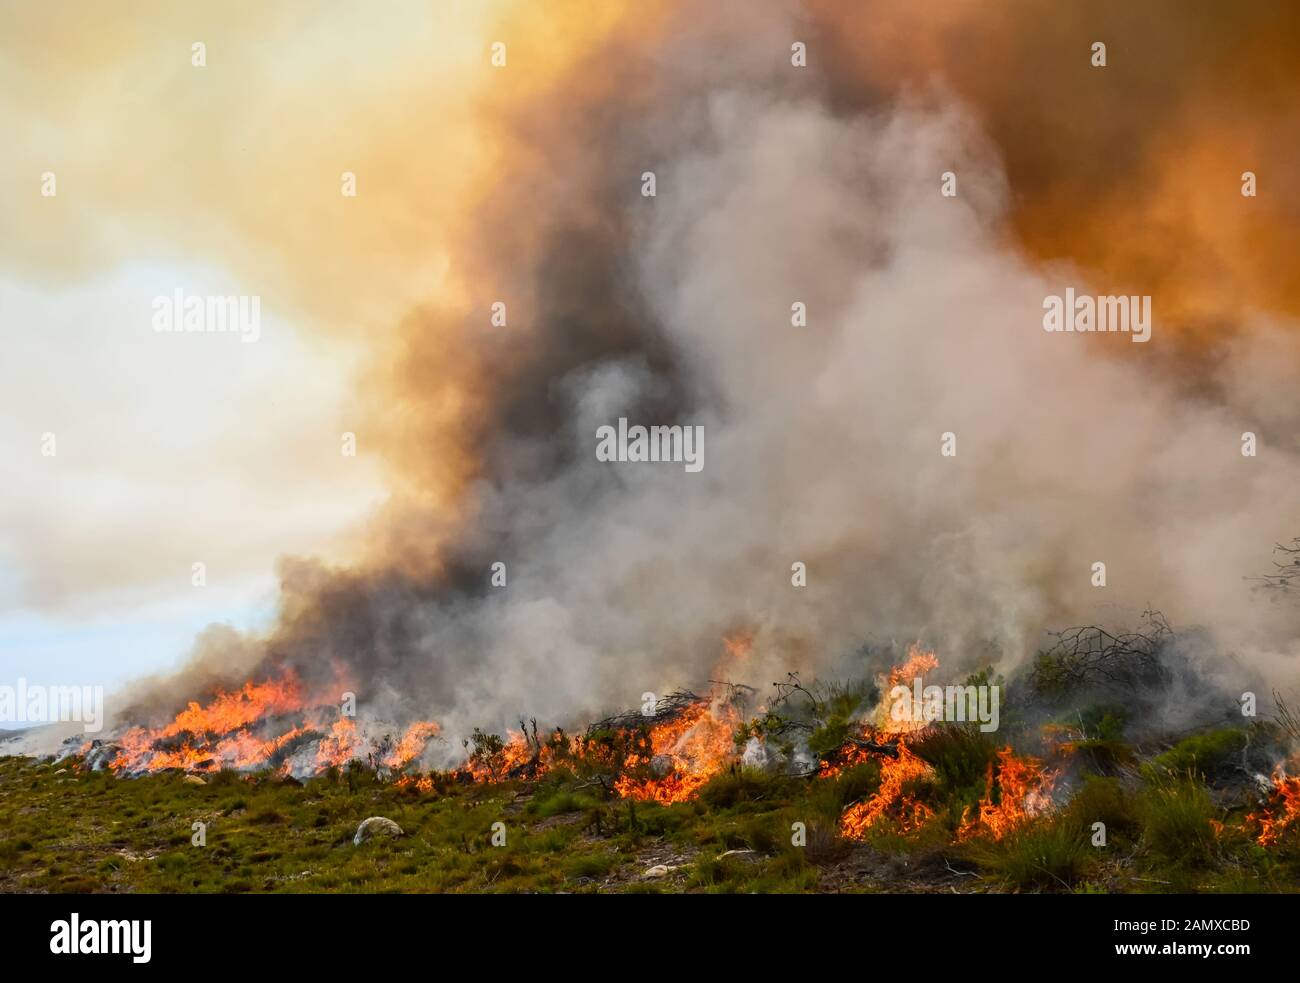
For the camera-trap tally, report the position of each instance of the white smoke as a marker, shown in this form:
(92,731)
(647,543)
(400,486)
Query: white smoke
(824,440)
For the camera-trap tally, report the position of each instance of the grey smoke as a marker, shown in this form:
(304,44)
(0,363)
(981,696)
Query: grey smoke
(824,440)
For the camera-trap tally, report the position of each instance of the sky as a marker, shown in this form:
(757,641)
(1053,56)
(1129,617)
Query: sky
(171,449)
(218,174)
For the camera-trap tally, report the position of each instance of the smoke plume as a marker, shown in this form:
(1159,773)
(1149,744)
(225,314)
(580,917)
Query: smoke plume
(778,185)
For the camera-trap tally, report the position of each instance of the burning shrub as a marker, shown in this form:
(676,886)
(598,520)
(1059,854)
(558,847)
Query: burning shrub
(829,797)
(901,779)
(1018,790)
(818,720)
(487,753)
(1281,813)
(959,754)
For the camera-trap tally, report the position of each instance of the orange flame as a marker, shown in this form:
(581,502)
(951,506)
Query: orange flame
(517,753)
(889,799)
(340,746)
(412,744)
(422,783)
(699,743)
(245,728)
(206,738)
(918,663)
(1281,812)
(1025,791)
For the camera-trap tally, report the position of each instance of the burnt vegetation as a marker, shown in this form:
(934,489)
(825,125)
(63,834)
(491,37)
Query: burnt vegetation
(1091,658)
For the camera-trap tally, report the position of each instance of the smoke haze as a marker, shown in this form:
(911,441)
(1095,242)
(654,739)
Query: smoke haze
(775,185)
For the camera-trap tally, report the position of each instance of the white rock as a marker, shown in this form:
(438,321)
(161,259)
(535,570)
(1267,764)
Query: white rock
(376,826)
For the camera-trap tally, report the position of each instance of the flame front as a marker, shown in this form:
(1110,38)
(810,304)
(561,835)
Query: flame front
(218,735)
(252,726)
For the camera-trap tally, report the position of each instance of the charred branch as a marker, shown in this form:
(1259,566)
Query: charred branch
(1286,576)
(1091,656)
(667,708)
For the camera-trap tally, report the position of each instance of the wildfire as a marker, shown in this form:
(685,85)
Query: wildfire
(231,711)
(1281,812)
(271,723)
(206,738)
(698,743)
(890,799)
(412,743)
(517,755)
(1024,791)
(248,727)
(423,783)
(918,663)
(340,746)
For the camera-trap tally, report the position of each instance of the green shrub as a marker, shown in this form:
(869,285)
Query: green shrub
(1104,756)
(761,833)
(825,846)
(739,784)
(559,803)
(1105,800)
(1206,755)
(1176,827)
(829,797)
(594,866)
(1103,722)
(959,754)
(1053,854)
(836,707)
